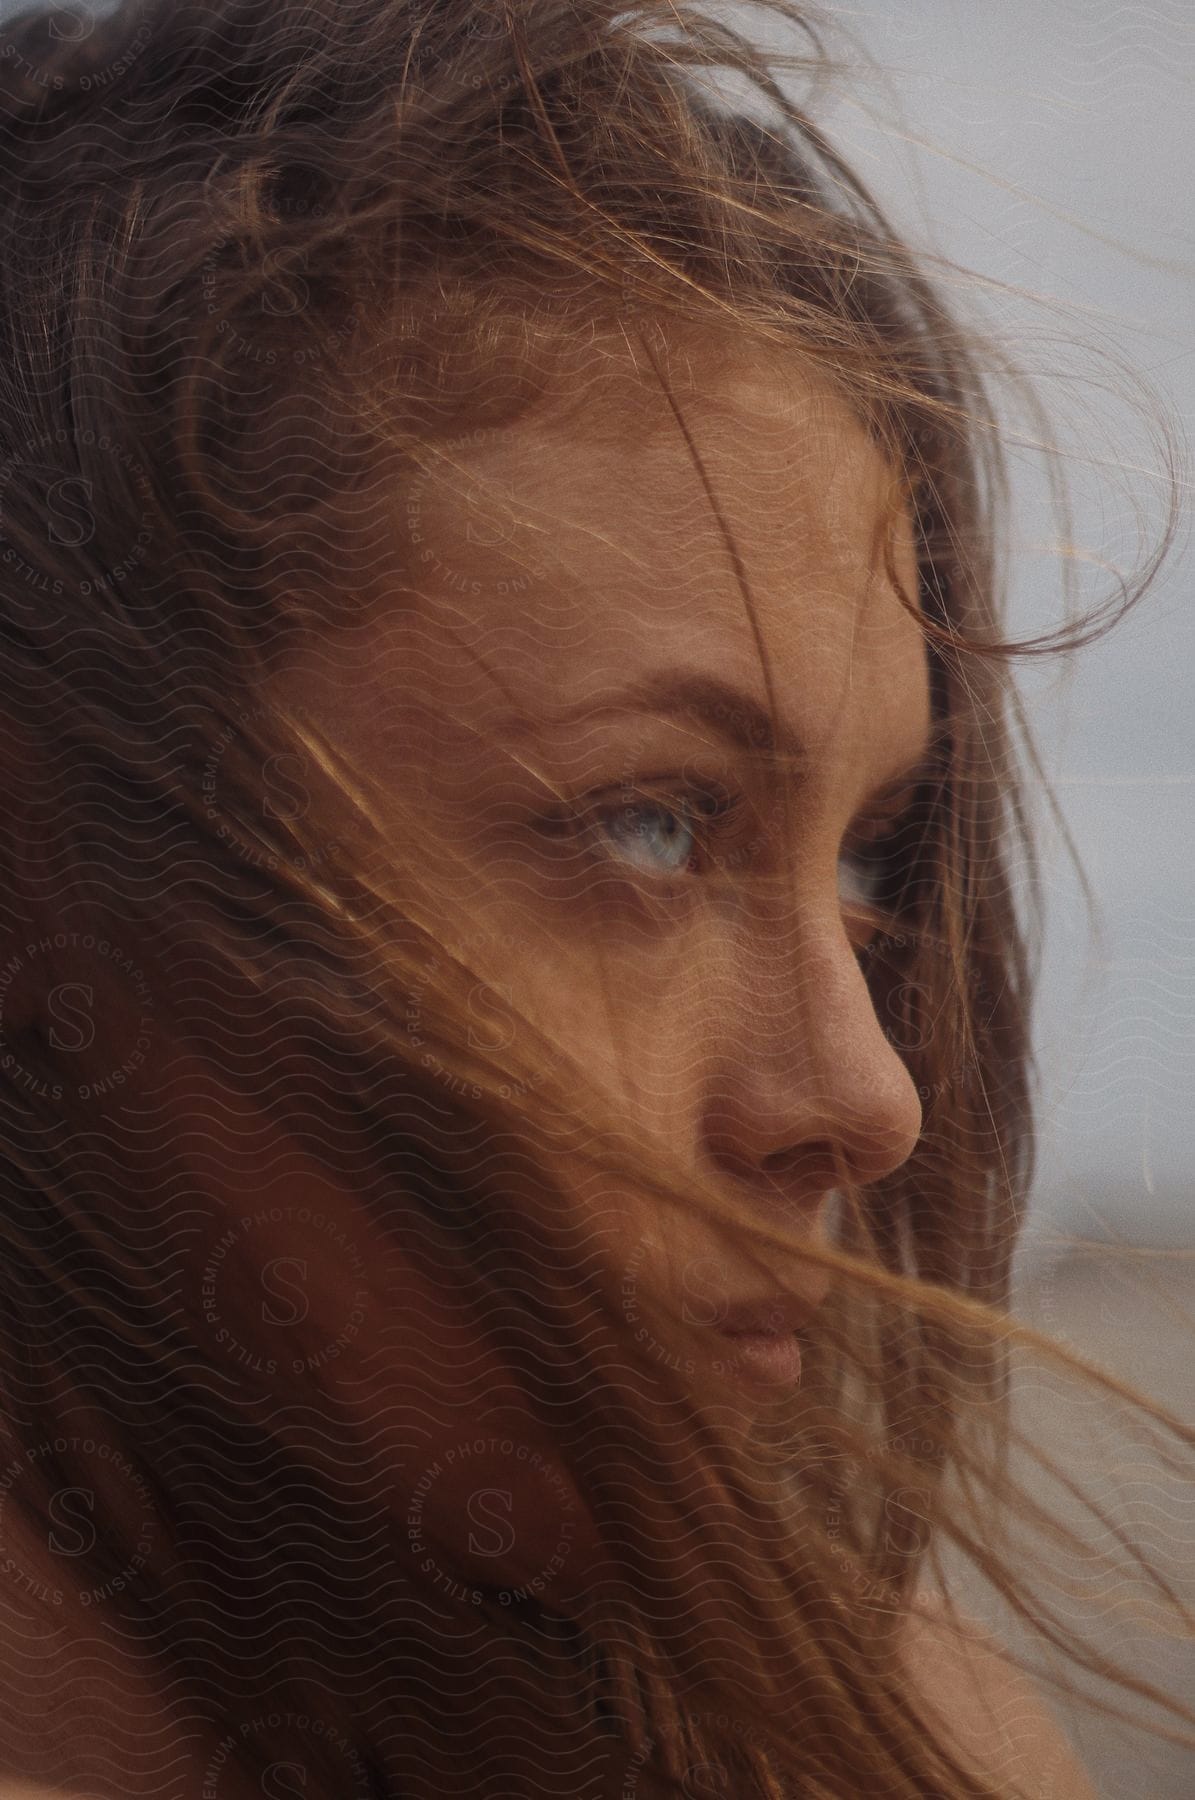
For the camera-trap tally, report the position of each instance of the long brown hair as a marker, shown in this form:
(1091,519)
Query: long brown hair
(256,252)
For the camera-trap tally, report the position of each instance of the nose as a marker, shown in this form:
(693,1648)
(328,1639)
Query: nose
(803,1090)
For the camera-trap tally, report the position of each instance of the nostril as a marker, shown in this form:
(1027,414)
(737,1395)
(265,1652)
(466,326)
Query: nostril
(808,1166)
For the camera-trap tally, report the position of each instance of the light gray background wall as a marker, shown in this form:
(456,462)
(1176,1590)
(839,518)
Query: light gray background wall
(1049,145)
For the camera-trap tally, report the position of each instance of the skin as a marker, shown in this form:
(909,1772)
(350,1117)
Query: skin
(723,1008)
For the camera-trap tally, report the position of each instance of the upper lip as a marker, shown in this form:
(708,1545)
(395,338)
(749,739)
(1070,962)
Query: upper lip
(768,1317)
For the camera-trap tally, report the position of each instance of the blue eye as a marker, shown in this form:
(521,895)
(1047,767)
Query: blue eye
(652,836)
(701,828)
(861,879)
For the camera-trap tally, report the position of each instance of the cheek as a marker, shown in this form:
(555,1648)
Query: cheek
(623,1001)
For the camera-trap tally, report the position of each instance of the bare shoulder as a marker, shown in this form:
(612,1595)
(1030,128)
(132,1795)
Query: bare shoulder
(997,1717)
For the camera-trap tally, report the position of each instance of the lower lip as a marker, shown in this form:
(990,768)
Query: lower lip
(766,1356)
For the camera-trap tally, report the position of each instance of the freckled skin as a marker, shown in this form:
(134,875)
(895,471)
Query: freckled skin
(726,1010)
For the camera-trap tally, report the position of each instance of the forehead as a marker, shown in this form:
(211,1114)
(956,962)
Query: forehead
(756,477)
(614,533)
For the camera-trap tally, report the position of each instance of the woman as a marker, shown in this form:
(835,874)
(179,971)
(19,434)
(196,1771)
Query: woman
(514,1018)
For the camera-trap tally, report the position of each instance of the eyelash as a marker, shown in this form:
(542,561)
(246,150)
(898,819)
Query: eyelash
(703,808)
(707,812)
(710,811)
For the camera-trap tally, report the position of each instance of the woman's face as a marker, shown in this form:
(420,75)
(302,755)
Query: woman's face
(571,683)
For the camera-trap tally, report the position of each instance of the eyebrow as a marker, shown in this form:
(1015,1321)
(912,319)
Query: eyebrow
(739,719)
